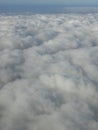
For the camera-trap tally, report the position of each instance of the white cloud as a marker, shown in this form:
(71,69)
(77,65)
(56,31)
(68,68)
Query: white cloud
(48,72)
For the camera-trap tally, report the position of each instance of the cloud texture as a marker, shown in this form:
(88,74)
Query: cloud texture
(49,72)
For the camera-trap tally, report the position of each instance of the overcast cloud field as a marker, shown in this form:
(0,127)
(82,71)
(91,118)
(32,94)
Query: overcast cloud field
(49,72)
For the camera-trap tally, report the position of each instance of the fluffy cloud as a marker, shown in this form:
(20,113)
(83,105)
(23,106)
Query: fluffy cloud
(49,72)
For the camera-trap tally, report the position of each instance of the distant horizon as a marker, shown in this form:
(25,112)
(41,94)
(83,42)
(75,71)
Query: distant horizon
(28,4)
(66,3)
(46,9)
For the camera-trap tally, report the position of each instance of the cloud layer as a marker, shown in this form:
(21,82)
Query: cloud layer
(49,72)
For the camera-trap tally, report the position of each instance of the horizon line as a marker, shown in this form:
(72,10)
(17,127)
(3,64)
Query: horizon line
(66,5)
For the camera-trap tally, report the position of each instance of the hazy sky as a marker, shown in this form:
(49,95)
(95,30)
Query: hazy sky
(67,2)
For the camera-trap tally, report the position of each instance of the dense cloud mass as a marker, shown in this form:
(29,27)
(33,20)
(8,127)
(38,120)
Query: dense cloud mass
(49,72)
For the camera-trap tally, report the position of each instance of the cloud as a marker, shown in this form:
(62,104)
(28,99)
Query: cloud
(48,72)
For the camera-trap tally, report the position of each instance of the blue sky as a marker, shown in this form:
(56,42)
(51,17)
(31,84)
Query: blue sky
(67,2)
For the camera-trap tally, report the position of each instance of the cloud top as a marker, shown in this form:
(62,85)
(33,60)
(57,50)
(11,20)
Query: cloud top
(48,72)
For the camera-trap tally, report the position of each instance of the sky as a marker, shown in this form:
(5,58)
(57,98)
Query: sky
(66,2)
